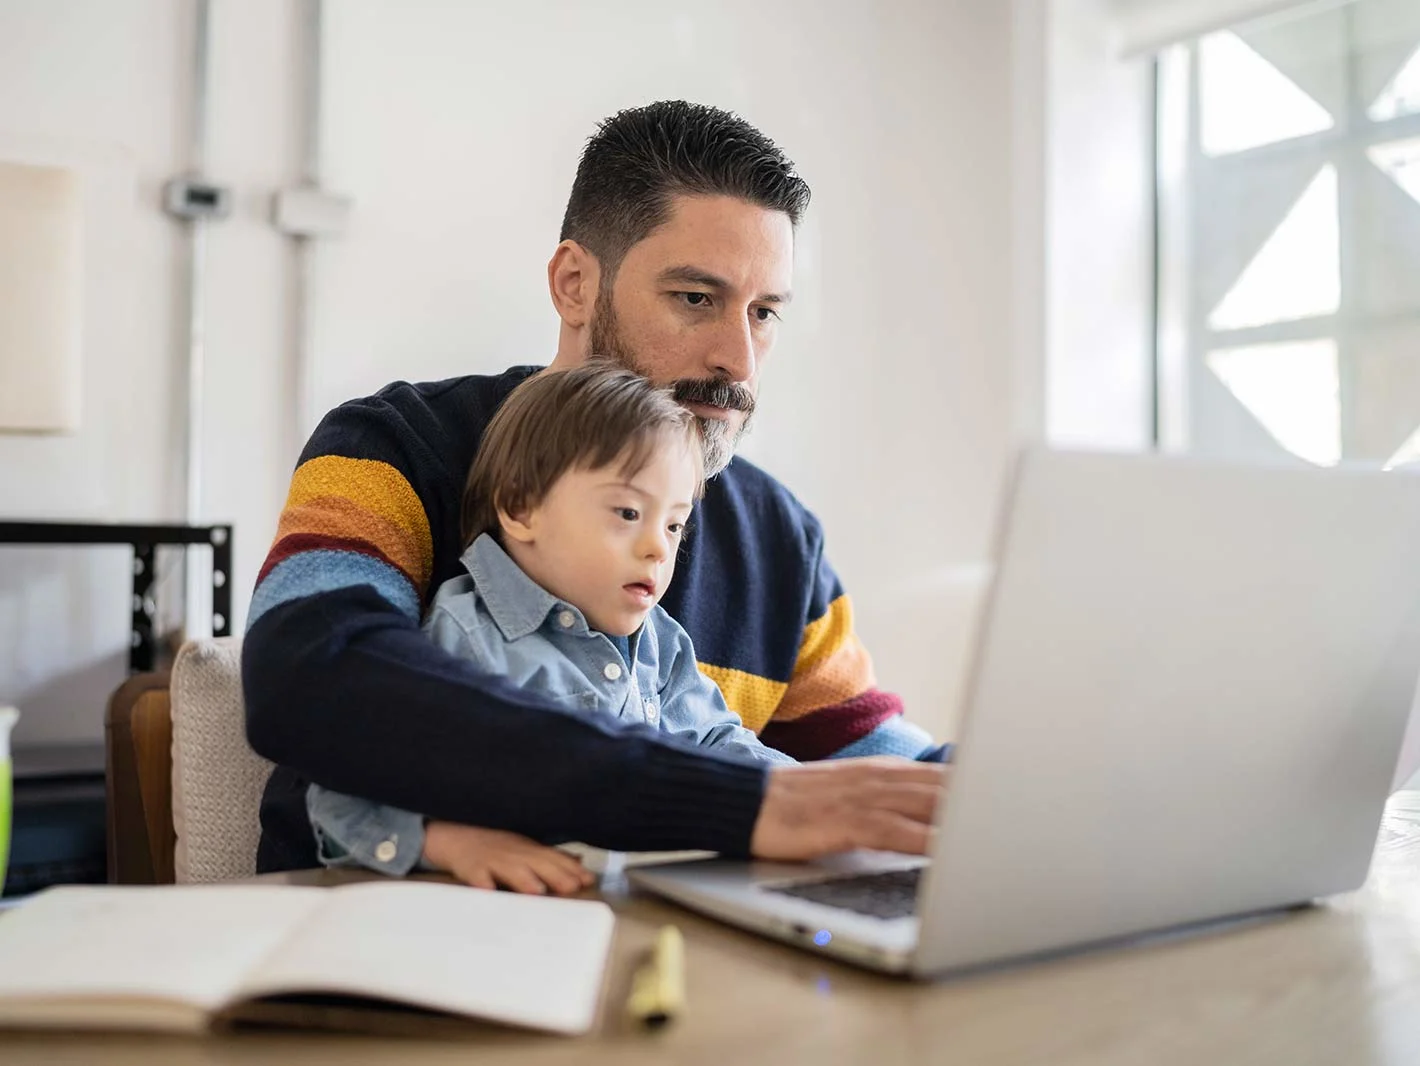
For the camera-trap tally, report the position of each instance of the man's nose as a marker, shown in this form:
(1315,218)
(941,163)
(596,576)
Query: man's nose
(733,356)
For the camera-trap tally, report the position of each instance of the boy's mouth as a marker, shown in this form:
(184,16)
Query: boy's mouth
(641,590)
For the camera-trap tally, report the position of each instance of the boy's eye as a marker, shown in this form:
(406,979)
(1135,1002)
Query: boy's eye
(628,513)
(676,528)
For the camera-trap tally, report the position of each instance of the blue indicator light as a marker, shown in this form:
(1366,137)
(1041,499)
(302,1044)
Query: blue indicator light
(822,937)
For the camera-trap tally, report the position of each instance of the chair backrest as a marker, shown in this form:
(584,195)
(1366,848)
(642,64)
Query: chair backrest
(138,741)
(217,780)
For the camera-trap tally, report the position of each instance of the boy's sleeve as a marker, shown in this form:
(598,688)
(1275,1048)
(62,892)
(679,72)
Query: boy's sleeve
(343,688)
(691,698)
(351,831)
(354,832)
(832,707)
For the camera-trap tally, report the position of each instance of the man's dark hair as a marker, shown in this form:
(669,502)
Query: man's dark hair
(641,157)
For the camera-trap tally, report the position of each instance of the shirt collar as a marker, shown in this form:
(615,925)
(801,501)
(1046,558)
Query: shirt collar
(517,603)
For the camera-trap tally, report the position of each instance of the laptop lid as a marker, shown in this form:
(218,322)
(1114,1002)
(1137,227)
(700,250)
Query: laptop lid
(1188,696)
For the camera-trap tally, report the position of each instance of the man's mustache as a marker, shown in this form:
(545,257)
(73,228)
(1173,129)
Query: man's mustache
(714,393)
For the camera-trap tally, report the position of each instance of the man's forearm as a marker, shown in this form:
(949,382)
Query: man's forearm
(349,693)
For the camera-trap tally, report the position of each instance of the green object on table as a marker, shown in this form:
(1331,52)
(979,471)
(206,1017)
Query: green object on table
(8,717)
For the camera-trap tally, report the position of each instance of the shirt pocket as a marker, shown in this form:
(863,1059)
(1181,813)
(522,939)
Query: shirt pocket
(559,684)
(574,701)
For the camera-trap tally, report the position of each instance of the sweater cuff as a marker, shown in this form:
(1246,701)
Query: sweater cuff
(703,803)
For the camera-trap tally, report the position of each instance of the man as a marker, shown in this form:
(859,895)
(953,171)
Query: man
(676,259)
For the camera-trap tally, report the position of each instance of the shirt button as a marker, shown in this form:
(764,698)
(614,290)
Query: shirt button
(651,713)
(386,851)
(565,619)
(612,672)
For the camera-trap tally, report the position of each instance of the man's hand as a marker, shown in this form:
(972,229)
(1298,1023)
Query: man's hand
(490,858)
(825,807)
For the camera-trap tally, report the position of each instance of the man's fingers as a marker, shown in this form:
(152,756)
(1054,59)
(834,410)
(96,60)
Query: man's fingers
(889,832)
(817,809)
(918,802)
(903,771)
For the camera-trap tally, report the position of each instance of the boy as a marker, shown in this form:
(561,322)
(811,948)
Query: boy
(572,516)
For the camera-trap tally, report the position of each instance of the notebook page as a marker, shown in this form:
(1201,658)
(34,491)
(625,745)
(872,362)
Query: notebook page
(185,944)
(523,960)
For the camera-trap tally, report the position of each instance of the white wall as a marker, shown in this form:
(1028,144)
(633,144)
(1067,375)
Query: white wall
(103,87)
(1099,235)
(911,359)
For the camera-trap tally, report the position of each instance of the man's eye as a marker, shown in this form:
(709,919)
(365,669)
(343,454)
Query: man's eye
(696,299)
(628,513)
(765,314)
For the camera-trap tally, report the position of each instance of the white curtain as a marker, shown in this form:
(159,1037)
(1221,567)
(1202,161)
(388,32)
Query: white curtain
(1143,26)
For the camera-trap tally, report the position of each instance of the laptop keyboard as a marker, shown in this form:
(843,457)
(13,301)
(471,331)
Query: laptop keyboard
(890,894)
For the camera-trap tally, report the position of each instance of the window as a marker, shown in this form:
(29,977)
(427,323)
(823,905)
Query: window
(1289,163)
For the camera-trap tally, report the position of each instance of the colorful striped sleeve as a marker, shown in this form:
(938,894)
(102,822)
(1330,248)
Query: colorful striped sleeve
(832,707)
(348,522)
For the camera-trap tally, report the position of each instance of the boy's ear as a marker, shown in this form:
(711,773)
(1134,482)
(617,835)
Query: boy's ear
(516,527)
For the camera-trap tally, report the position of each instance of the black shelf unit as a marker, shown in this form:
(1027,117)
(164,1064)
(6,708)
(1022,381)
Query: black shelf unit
(59,818)
(144,540)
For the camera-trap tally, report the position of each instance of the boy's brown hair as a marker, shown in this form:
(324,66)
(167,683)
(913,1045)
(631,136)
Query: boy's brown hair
(583,418)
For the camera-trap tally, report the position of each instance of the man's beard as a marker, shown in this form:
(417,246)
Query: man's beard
(718,439)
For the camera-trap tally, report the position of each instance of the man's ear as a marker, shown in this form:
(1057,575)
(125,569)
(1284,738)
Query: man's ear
(573,277)
(516,527)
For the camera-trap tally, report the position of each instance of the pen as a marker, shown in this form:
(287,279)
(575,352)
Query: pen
(658,988)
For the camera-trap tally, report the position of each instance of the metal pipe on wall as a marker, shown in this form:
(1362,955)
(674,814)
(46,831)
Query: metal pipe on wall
(196,611)
(305,399)
(305,213)
(198,202)
(197,269)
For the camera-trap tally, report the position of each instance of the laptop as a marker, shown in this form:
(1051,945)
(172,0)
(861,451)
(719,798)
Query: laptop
(1185,703)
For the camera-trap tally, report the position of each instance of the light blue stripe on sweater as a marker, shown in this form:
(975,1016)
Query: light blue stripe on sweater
(896,736)
(326,570)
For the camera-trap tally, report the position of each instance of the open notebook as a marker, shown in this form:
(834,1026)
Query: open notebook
(383,956)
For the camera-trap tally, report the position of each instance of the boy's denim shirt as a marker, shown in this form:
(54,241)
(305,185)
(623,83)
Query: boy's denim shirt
(500,619)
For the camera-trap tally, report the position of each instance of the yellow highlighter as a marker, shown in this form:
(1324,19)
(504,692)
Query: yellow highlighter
(658,989)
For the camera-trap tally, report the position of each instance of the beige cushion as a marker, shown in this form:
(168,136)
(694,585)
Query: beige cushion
(217,778)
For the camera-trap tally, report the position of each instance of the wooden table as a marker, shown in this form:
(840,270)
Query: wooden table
(1339,983)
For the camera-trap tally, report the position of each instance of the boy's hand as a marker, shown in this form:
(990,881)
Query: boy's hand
(490,858)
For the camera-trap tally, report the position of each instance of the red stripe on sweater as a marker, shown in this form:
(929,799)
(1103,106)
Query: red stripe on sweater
(831,729)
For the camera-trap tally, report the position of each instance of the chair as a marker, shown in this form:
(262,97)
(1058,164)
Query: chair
(138,742)
(184,810)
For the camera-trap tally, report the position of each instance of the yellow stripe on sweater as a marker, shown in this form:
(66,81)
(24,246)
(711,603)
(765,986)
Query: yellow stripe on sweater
(750,696)
(832,667)
(823,636)
(371,485)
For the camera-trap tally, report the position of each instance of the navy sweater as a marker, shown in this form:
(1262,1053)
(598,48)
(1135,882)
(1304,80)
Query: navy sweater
(343,689)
